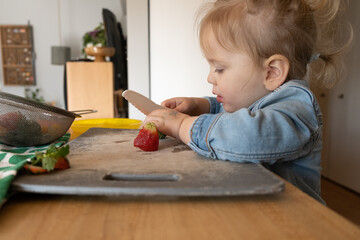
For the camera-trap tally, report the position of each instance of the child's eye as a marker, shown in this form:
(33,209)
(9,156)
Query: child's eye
(219,70)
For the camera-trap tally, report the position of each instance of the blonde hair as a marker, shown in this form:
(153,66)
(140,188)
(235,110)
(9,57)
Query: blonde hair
(304,31)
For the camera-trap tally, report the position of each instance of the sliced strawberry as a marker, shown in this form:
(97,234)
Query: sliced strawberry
(148,138)
(3,131)
(53,159)
(10,120)
(48,126)
(35,169)
(61,163)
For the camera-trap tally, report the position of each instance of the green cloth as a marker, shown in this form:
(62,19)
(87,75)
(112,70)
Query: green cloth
(12,159)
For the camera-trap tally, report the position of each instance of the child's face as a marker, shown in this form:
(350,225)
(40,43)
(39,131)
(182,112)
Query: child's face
(236,80)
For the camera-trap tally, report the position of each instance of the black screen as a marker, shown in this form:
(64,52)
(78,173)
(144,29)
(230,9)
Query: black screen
(115,39)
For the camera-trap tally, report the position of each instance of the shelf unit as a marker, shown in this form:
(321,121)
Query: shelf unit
(17,51)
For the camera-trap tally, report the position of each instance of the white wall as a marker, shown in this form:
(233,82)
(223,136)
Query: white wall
(177,67)
(77,17)
(343,163)
(138,51)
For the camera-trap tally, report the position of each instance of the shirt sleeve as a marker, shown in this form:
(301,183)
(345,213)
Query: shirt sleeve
(281,128)
(215,107)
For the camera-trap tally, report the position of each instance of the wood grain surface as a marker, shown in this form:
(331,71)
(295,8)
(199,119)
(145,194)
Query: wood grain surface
(292,215)
(288,215)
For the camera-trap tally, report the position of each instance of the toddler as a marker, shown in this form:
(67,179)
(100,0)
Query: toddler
(260,55)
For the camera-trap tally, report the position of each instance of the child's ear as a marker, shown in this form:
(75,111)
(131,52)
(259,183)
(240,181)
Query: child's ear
(276,71)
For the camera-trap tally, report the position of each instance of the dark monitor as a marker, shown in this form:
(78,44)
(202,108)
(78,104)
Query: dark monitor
(115,39)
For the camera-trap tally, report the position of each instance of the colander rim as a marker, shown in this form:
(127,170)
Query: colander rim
(17,99)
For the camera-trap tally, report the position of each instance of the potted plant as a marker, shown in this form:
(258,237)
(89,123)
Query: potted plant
(94,44)
(34,95)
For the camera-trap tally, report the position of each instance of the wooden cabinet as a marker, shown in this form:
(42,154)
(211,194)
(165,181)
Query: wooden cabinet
(17,55)
(90,85)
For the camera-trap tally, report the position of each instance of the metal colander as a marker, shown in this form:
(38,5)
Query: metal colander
(25,122)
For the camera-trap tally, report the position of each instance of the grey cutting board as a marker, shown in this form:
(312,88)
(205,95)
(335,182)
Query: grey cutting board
(104,162)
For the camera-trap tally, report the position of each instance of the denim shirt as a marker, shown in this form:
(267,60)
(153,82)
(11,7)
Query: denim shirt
(282,131)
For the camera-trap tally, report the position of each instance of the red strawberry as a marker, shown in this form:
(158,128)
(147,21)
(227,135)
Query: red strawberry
(10,120)
(61,163)
(148,138)
(53,159)
(35,169)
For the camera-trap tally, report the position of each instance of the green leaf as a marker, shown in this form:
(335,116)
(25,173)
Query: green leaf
(48,163)
(161,135)
(52,149)
(62,152)
(48,159)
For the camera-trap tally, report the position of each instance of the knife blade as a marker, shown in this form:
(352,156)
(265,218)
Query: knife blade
(144,104)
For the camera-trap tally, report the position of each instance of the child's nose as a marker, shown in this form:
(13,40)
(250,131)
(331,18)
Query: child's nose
(211,79)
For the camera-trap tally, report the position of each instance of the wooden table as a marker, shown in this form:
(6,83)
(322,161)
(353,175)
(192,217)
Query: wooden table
(288,215)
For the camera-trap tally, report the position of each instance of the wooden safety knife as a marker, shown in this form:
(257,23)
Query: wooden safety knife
(144,104)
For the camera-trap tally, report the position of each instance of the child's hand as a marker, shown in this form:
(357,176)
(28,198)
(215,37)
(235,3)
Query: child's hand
(167,121)
(171,123)
(190,106)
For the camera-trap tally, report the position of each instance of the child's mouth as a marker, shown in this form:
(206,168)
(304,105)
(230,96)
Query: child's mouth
(219,99)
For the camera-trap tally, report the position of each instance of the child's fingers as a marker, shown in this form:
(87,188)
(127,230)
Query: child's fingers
(169,103)
(153,119)
(183,108)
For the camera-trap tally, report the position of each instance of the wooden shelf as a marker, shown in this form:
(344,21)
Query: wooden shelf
(17,55)
(17,66)
(17,46)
